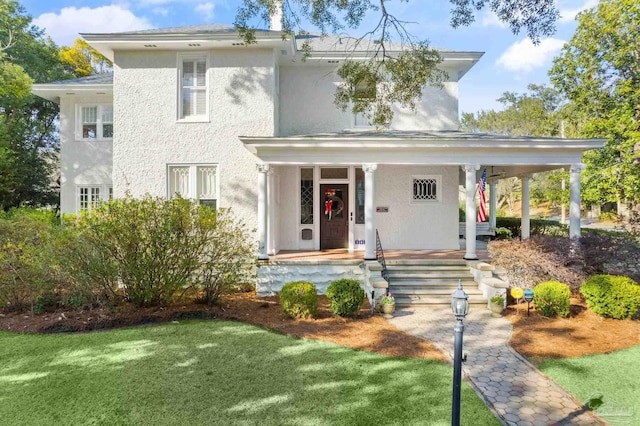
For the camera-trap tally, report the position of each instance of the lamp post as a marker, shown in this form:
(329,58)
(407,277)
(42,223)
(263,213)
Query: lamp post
(460,308)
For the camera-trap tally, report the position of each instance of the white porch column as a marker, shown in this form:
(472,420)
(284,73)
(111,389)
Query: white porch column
(493,204)
(525,221)
(574,200)
(470,187)
(369,211)
(263,211)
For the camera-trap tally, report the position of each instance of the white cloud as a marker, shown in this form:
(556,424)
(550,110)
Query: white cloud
(490,19)
(162,11)
(569,14)
(205,9)
(523,56)
(64,27)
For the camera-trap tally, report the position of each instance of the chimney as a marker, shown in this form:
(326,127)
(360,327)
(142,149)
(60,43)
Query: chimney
(276,16)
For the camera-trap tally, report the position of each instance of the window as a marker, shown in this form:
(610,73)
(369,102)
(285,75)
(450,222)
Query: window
(95,121)
(193,88)
(306,196)
(359,195)
(90,196)
(334,173)
(363,90)
(426,188)
(197,182)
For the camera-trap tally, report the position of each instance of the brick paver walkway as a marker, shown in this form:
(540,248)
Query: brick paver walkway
(510,385)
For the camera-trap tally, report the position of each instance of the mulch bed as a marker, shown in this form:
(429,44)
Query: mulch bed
(364,331)
(582,333)
(535,337)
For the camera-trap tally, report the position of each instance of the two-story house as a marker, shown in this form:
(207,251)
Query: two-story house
(194,111)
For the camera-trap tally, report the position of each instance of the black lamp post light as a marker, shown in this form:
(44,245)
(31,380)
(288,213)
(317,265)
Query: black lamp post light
(460,309)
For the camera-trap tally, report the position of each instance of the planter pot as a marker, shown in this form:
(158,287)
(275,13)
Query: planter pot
(496,309)
(388,310)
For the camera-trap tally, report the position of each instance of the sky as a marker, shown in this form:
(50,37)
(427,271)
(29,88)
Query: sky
(510,63)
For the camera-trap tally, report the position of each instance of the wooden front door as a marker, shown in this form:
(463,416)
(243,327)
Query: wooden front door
(334,217)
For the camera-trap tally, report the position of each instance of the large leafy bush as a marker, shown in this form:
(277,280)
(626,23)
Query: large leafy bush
(612,296)
(154,250)
(30,275)
(552,298)
(299,299)
(346,297)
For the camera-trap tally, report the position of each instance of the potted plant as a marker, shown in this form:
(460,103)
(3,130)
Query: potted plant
(388,304)
(496,305)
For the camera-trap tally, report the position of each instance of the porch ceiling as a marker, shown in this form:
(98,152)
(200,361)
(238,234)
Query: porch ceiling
(419,147)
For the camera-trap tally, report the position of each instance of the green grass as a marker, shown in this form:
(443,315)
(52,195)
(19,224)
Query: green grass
(215,372)
(615,377)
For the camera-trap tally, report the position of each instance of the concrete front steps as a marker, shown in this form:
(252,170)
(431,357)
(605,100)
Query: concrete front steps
(431,281)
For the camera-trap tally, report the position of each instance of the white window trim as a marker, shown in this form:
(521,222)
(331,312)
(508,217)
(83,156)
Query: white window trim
(104,194)
(198,118)
(78,129)
(438,179)
(193,177)
(359,126)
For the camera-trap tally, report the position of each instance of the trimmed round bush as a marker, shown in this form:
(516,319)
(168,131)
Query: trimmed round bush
(346,297)
(503,233)
(612,296)
(299,299)
(552,298)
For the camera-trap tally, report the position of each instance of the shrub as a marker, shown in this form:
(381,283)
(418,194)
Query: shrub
(346,297)
(612,296)
(552,298)
(503,233)
(28,266)
(157,249)
(299,299)
(539,227)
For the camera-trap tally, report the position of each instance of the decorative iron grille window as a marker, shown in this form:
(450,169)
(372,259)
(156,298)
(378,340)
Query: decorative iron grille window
(197,182)
(359,196)
(425,188)
(306,196)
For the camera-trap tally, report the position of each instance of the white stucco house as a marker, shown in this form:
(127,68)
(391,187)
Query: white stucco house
(192,110)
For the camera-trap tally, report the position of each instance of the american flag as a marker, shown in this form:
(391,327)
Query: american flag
(482,188)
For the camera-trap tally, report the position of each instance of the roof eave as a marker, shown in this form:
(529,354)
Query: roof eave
(53,92)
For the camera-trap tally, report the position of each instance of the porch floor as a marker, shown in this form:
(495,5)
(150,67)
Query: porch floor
(343,254)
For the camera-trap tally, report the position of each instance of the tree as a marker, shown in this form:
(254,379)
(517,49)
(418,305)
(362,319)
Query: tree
(82,60)
(401,65)
(541,112)
(28,134)
(537,113)
(599,72)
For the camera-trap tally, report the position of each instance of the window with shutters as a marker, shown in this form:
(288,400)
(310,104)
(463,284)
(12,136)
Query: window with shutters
(94,121)
(193,104)
(426,188)
(197,182)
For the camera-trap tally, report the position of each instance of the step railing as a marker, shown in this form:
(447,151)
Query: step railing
(380,258)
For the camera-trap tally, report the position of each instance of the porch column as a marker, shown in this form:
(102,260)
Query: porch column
(369,211)
(574,200)
(263,215)
(493,204)
(525,220)
(470,187)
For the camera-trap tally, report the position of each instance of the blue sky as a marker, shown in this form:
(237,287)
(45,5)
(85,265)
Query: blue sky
(510,63)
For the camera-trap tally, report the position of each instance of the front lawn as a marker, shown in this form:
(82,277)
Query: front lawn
(610,381)
(216,372)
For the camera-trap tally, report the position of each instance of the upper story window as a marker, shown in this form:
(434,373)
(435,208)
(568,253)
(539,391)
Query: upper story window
(197,182)
(364,90)
(193,90)
(94,121)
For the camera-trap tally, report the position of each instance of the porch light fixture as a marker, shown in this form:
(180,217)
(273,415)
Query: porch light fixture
(460,309)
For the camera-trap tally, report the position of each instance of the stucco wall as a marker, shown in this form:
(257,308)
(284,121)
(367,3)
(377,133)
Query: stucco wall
(426,225)
(306,104)
(148,135)
(82,162)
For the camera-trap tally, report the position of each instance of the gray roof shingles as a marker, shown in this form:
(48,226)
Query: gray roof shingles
(106,78)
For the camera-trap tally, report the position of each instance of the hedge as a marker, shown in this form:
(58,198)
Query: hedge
(612,296)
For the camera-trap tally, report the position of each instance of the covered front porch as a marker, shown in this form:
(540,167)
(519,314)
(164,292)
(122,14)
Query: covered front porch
(326,191)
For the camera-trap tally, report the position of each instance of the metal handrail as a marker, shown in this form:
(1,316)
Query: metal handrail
(380,258)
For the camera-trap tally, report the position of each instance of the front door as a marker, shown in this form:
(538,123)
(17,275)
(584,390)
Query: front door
(334,220)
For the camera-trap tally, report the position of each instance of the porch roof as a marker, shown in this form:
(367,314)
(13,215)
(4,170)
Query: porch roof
(418,147)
